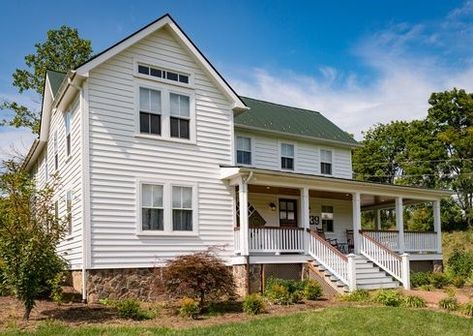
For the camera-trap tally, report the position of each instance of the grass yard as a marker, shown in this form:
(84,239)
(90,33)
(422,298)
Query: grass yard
(330,321)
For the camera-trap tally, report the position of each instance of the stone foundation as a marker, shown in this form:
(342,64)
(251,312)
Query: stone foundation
(140,283)
(76,280)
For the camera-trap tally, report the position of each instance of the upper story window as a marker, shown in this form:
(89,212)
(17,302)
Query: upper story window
(69,196)
(180,115)
(287,156)
(243,148)
(56,151)
(164,74)
(150,111)
(67,126)
(152,210)
(326,162)
(181,208)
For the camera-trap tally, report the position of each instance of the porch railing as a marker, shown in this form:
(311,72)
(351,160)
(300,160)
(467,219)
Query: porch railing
(381,255)
(329,257)
(276,240)
(414,241)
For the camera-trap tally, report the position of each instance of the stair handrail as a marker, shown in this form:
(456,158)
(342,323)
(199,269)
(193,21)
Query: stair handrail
(329,257)
(382,256)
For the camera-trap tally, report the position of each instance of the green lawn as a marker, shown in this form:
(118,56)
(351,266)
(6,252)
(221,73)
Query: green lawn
(332,321)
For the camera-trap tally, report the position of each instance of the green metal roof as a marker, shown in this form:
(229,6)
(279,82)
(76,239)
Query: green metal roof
(55,80)
(291,120)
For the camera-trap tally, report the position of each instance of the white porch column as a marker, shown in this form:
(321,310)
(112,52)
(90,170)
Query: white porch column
(400,224)
(305,204)
(243,201)
(437,224)
(378,219)
(356,221)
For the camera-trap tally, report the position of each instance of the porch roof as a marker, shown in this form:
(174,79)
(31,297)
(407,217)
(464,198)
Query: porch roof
(268,177)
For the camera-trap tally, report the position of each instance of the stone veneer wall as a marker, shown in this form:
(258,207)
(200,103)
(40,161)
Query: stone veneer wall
(140,283)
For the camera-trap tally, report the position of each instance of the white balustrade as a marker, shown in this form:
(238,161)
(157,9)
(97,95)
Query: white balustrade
(413,241)
(331,259)
(276,240)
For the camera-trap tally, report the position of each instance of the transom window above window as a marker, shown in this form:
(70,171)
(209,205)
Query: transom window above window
(180,116)
(243,147)
(287,156)
(181,208)
(150,111)
(152,210)
(164,74)
(326,162)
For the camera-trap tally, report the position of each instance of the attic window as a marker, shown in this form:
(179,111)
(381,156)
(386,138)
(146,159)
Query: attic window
(164,74)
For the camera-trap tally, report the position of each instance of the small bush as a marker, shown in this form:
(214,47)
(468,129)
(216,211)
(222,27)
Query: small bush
(458,281)
(389,298)
(460,263)
(284,292)
(467,309)
(131,309)
(439,280)
(449,303)
(419,279)
(189,308)
(312,290)
(253,304)
(358,295)
(412,301)
(201,276)
(57,294)
(427,288)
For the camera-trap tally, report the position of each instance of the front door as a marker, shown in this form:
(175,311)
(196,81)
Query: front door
(287,212)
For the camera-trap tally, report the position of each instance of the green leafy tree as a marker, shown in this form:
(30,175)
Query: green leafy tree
(29,234)
(62,51)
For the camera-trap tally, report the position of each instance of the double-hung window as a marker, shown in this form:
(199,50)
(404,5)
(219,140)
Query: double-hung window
(326,162)
(152,210)
(180,116)
(243,147)
(69,211)
(182,208)
(287,156)
(327,218)
(150,111)
(67,126)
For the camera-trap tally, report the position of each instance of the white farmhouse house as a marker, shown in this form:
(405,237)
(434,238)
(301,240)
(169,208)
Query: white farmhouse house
(158,156)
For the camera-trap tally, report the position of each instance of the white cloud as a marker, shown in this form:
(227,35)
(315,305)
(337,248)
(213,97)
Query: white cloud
(409,63)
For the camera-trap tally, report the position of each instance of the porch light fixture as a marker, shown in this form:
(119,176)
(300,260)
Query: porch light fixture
(272,206)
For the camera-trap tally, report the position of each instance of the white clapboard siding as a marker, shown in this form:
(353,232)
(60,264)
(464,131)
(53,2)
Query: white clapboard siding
(266,155)
(118,158)
(69,171)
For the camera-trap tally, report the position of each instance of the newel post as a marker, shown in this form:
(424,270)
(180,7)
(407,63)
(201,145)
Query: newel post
(405,271)
(351,272)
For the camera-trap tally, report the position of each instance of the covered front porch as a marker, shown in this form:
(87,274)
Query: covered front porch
(279,215)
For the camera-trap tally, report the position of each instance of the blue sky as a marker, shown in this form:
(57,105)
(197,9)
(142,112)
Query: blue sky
(357,62)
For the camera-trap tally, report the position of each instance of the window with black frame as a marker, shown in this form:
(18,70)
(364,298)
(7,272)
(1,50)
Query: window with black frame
(327,218)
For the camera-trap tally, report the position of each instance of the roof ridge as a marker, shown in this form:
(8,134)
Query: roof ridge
(283,105)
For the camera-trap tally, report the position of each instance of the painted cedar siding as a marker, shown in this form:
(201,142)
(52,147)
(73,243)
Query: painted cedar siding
(69,170)
(266,155)
(118,158)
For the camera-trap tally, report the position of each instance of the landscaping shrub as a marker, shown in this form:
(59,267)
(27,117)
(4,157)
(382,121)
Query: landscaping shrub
(419,279)
(460,263)
(358,295)
(427,288)
(253,304)
(389,298)
(467,309)
(312,290)
(284,292)
(449,303)
(4,289)
(439,280)
(412,301)
(201,276)
(458,281)
(131,309)
(189,308)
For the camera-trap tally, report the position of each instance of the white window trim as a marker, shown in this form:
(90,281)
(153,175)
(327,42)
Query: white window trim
(163,66)
(69,235)
(320,158)
(166,112)
(280,156)
(252,149)
(65,114)
(167,206)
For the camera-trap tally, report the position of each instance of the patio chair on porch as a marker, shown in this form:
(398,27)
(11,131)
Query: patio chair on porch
(332,241)
(350,241)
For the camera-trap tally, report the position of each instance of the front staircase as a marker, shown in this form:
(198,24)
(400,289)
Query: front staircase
(357,271)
